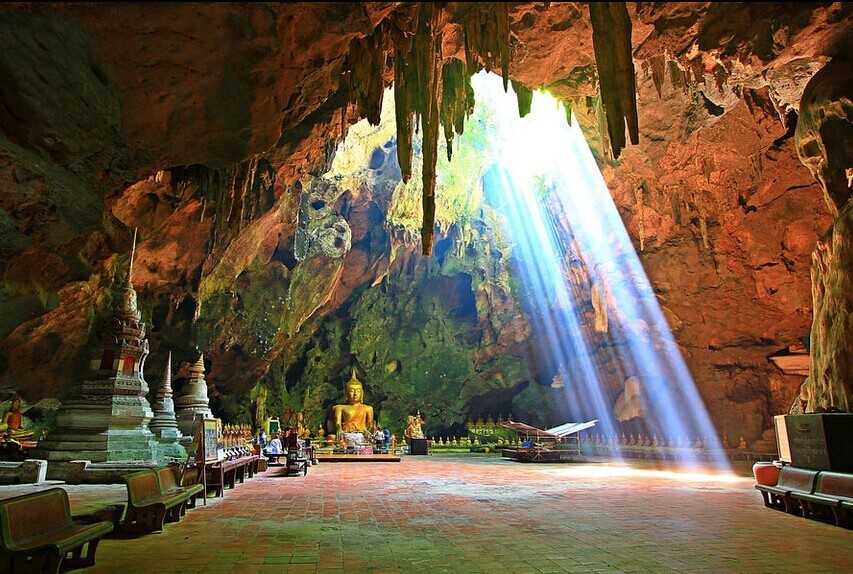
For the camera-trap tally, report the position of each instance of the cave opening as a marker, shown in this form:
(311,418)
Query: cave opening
(532,189)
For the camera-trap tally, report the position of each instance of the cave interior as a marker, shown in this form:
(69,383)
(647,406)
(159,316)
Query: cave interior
(634,213)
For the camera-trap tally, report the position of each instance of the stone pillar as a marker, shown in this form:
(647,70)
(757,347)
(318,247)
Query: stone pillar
(193,401)
(824,139)
(106,420)
(164,425)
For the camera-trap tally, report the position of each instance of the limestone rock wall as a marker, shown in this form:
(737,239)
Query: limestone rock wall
(825,144)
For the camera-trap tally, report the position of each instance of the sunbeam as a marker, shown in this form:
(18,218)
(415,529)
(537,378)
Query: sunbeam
(556,206)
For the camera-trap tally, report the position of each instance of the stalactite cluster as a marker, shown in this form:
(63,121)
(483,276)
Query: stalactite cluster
(429,92)
(232,197)
(611,38)
(487,37)
(366,62)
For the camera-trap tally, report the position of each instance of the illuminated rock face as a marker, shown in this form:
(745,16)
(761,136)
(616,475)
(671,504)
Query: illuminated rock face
(825,144)
(319,230)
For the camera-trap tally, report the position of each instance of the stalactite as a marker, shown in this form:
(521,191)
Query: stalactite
(675,200)
(457,100)
(697,67)
(366,64)
(677,76)
(721,76)
(639,201)
(611,38)
(404,84)
(601,118)
(567,106)
(427,59)
(487,37)
(658,69)
(524,97)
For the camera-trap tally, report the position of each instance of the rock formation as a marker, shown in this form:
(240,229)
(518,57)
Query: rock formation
(825,145)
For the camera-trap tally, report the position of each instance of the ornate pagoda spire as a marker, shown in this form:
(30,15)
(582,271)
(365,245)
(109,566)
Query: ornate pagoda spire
(106,420)
(164,425)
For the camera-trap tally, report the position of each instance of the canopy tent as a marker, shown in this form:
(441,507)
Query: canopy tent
(567,433)
(562,431)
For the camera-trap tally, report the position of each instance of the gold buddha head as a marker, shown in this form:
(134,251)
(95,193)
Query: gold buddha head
(354,390)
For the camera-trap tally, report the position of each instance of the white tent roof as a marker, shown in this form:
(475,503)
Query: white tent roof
(561,431)
(567,429)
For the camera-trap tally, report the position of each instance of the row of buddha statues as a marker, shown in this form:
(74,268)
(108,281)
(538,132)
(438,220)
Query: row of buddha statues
(236,435)
(469,441)
(653,441)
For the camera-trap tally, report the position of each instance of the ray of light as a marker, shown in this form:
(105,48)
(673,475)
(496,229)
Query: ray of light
(555,205)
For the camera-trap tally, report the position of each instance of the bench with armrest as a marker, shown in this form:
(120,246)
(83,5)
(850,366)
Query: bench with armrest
(38,534)
(147,506)
(791,480)
(833,490)
(167,479)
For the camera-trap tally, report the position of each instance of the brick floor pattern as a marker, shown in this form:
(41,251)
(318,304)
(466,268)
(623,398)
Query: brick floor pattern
(469,515)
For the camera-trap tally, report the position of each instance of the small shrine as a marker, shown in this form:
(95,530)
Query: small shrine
(106,420)
(164,425)
(193,402)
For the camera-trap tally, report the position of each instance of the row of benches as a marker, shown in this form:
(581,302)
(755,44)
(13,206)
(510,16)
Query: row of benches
(38,534)
(230,471)
(811,493)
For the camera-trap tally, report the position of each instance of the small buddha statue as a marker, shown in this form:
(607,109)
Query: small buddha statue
(301,429)
(353,418)
(13,422)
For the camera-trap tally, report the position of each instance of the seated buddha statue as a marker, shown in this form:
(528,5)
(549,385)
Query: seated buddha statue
(354,417)
(13,422)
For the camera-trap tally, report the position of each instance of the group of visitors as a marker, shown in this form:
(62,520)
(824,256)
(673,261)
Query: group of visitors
(281,443)
(381,438)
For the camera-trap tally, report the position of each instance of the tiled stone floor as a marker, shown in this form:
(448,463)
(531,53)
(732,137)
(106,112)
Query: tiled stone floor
(463,514)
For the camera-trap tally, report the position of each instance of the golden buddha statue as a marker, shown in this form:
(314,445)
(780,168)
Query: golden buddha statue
(414,426)
(355,416)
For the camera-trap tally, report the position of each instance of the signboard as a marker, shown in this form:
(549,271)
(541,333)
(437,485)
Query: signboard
(275,426)
(206,440)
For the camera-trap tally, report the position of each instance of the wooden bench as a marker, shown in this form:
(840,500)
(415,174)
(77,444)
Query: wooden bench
(791,480)
(225,473)
(167,481)
(834,491)
(147,506)
(296,463)
(38,534)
